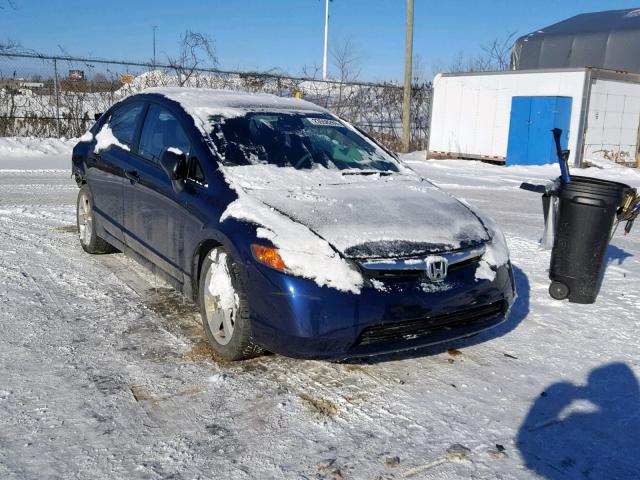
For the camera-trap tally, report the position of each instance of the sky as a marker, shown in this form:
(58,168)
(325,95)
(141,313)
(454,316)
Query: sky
(286,35)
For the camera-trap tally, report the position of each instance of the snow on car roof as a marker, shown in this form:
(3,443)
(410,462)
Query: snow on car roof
(202,103)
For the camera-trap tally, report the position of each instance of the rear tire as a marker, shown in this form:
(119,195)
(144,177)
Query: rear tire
(86,222)
(224,307)
(558,290)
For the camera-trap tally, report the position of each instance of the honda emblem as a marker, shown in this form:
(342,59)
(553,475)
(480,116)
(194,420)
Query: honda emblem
(437,268)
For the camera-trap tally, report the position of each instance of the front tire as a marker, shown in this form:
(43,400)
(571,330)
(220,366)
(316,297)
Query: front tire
(85,219)
(224,308)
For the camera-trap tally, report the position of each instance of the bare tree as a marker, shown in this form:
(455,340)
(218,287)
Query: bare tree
(494,56)
(196,50)
(347,60)
(9,46)
(419,69)
(310,71)
(498,52)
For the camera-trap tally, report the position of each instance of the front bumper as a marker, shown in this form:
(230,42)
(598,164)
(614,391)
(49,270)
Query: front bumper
(296,317)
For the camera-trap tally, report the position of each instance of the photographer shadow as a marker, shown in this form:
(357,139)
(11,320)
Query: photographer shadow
(616,255)
(590,431)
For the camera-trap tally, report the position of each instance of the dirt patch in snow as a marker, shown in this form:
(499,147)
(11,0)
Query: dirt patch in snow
(319,406)
(181,314)
(140,394)
(356,398)
(201,352)
(67,229)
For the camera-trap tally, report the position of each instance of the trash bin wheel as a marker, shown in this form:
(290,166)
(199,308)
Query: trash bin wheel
(558,290)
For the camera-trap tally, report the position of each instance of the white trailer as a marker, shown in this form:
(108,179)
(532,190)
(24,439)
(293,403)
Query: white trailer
(471,112)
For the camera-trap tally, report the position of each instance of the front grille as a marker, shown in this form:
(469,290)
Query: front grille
(399,275)
(466,263)
(414,268)
(411,329)
(410,274)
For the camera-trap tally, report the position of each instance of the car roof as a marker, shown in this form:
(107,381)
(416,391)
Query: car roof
(203,103)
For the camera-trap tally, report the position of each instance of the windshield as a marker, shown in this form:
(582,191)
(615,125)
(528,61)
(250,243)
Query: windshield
(298,140)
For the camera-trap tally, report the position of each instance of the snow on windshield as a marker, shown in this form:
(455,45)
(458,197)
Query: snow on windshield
(299,140)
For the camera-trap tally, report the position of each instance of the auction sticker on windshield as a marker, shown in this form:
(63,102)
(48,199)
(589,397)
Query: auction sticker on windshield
(324,122)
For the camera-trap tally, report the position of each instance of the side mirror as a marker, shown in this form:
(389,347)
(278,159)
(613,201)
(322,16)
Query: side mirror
(174,163)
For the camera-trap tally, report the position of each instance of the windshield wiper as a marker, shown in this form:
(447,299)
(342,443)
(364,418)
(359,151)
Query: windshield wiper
(357,171)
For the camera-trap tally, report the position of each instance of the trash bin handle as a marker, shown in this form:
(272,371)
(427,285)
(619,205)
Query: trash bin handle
(596,202)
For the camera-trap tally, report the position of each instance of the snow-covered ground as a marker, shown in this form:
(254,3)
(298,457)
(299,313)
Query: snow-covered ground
(104,373)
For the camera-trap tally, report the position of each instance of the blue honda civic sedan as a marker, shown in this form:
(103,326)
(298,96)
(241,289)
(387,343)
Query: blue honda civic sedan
(293,230)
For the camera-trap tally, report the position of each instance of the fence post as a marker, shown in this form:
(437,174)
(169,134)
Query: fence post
(56,91)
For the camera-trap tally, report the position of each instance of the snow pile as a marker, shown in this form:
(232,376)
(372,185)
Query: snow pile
(105,139)
(29,153)
(609,170)
(153,78)
(303,252)
(203,103)
(20,147)
(162,79)
(462,172)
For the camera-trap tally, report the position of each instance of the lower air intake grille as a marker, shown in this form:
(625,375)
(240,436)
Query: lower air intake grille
(412,329)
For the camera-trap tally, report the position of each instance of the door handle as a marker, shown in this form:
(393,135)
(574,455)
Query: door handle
(132,175)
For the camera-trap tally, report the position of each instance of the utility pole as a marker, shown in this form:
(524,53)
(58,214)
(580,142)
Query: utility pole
(406,99)
(326,39)
(154,45)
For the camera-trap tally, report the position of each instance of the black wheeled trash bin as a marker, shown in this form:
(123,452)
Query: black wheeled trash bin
(586,214)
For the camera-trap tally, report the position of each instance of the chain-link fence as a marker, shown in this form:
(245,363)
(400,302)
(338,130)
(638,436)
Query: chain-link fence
(56,96)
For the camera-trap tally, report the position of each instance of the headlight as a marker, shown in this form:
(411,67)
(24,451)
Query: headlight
(268,256)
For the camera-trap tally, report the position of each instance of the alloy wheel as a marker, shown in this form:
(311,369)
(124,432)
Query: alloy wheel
(221,301)
(85,220)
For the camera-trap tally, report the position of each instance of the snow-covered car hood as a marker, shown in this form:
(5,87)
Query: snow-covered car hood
(369,216)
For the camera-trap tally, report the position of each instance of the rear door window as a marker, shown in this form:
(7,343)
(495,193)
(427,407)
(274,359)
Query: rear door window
(124,121)
(161,131)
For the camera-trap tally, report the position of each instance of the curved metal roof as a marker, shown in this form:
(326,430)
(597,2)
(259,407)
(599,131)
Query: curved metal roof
(608,40)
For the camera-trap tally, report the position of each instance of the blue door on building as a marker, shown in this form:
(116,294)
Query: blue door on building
(532,119)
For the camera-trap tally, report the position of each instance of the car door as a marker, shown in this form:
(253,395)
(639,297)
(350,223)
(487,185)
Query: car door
(156,216)
(108,162)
